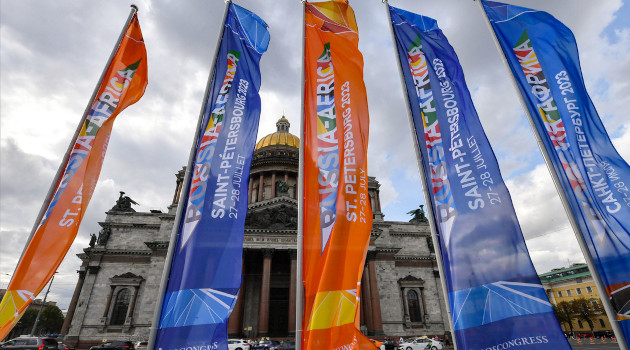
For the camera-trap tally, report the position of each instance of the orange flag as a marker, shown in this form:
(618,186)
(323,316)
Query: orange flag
(123,84)
(337,211)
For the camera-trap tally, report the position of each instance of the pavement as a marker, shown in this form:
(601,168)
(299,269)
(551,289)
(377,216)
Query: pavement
(586,345)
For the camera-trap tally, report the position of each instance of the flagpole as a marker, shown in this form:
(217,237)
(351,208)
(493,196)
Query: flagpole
(610,312)
(299,285)
(181,205)
(425,188)
(64,161)
(39,313)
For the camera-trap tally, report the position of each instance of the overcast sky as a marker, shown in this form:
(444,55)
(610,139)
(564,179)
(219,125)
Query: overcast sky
(53,52)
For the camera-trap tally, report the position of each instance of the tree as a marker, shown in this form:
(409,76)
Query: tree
(564,314)
(583,310)
(25,324)
(51,320)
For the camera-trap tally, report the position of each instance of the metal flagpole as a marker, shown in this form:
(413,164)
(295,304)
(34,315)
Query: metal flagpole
(39,313)
(299,285)
(181,205)
(425,188)
(64,161)
(610,312)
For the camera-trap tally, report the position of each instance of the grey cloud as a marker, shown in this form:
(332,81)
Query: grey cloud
(54,51)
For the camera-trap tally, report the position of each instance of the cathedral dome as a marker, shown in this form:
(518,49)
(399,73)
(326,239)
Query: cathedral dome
(282,137)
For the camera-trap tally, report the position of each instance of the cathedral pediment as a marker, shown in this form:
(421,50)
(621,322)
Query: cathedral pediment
(279,213)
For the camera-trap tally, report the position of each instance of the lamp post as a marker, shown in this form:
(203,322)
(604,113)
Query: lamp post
(43,304)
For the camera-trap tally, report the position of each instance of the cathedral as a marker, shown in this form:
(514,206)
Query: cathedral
(119,278)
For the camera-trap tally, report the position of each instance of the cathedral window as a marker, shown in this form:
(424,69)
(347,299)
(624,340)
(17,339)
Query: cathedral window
(414,306)
(121,302)
(415,314)
(121,306)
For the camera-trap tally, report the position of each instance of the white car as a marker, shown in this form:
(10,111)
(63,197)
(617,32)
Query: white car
(420,344)
(141,345)
(238,344)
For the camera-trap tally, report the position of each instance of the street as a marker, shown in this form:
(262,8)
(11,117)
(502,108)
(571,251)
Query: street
(586,344)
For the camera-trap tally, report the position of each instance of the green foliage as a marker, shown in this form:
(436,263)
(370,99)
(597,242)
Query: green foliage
(25,324)
(584,310)
(51,320)
(564,313)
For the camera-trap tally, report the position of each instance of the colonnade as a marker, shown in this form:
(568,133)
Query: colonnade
(256,193)
(370,299)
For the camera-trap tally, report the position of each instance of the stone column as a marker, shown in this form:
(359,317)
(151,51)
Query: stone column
(249,191)
(376,300)
(273,185)
(235,321)
(263,312)
(405,308)
(261,188)
(178,185)
(175,195)
(292,287)
(109,301)
(132,307)
(362,307)
(424,304)
(84,300)
(292,194)
(366,299)
(73,303)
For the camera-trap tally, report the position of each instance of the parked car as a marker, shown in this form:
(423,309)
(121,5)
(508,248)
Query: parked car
(378,344)
(30,343)
(142,345)
(265,345)
(237,344)
(420,344)
(114,345)
(391,344)
(286,345)
(64,346)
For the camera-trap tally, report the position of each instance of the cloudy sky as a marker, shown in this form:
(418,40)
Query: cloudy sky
(53,52)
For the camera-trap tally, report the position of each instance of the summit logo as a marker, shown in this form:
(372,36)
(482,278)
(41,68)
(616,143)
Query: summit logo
(441,186)
(327,145)
(207,145)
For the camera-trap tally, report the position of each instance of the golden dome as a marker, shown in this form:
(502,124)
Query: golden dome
(282,137)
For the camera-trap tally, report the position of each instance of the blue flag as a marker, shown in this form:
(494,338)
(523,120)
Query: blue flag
(543,57)
(205,274)
(495,295)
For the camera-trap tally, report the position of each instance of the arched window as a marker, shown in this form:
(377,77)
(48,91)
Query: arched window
(121,305)
(413,302)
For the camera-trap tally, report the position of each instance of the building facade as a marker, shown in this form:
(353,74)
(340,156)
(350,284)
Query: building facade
(573,283)
(116,294)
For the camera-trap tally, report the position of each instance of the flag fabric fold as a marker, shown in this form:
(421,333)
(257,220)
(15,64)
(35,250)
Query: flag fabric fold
(337,216)
(495,296)
(123,84)
(205,273)
(543,57)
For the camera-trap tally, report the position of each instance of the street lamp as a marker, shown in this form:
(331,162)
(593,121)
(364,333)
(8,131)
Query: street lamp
(43,304)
